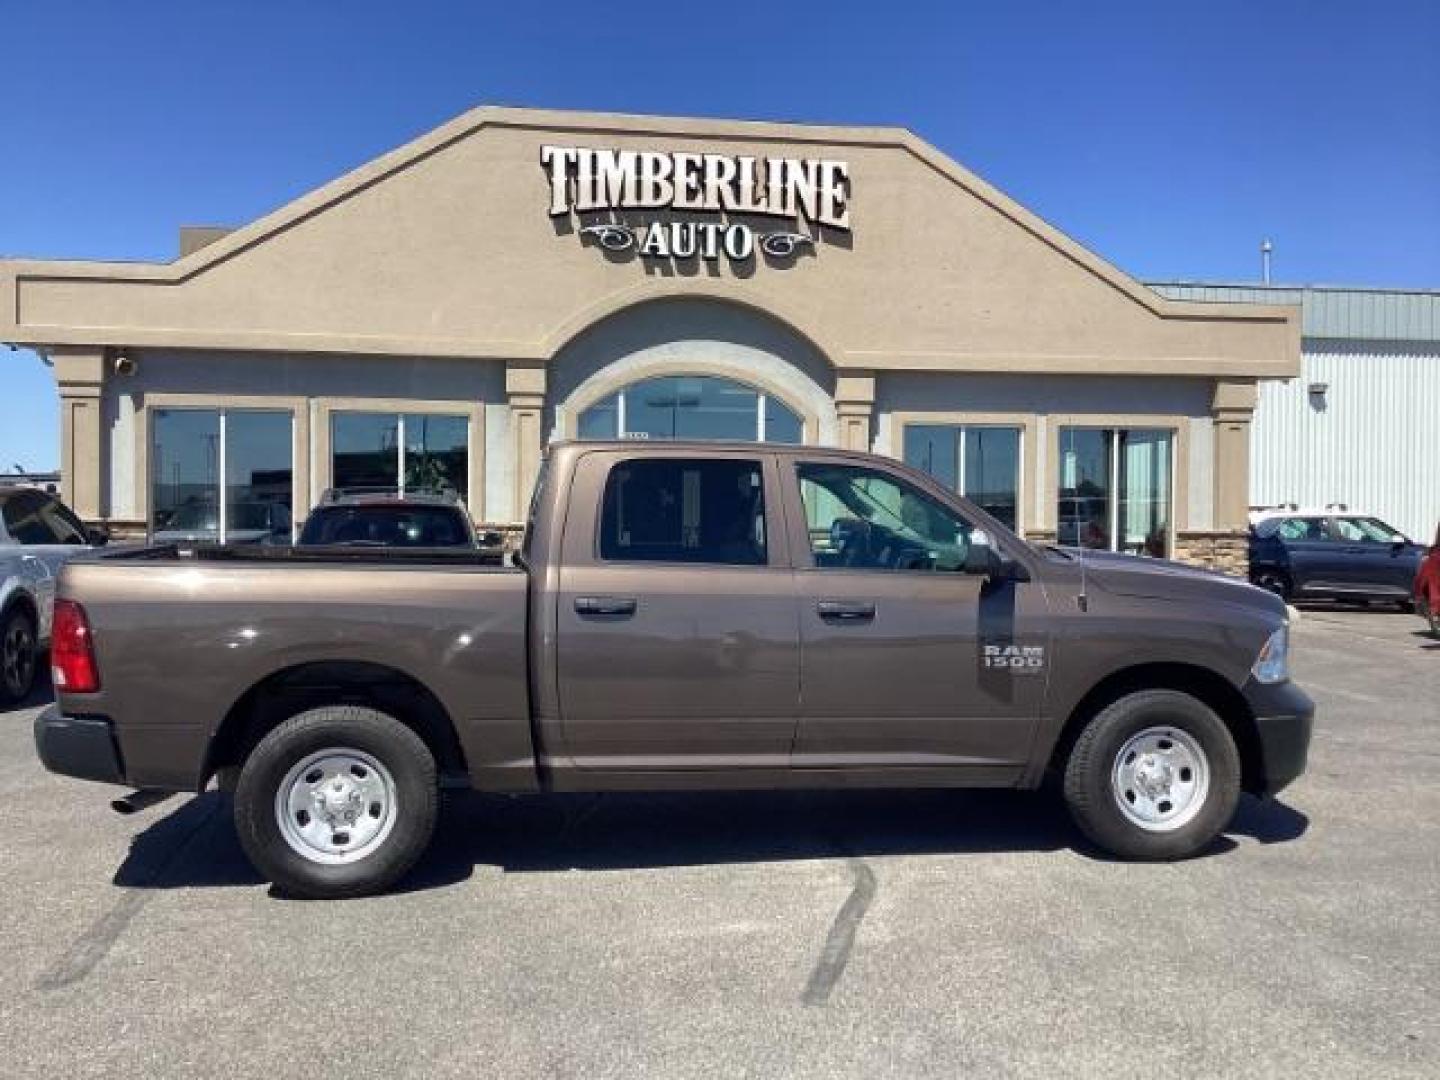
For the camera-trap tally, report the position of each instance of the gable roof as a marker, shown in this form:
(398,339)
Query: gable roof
(19,276)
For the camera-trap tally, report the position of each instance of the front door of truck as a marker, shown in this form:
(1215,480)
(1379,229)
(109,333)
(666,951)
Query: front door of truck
(677,646)
(906,659)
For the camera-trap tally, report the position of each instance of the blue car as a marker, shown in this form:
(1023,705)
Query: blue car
(1330,555)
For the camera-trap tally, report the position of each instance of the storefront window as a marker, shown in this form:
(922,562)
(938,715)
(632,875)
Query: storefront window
(192,449)
(399,452)
(1115,491)
(981,462)
(690,407)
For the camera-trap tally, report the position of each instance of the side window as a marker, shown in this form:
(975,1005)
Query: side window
(1311,530)
(24,523)
(862,519)
(62,523)
(1365,531)
(684,511)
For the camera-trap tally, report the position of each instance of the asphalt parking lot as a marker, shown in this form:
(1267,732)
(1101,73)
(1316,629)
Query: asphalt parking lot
(875,934)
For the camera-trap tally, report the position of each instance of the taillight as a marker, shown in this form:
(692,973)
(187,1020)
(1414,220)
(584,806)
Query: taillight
(72,652)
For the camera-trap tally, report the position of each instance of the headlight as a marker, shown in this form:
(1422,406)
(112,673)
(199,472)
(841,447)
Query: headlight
(1273,663)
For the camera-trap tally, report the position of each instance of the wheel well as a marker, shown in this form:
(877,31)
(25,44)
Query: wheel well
(273,700)
(1213,689)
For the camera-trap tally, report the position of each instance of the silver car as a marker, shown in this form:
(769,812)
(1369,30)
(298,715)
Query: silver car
(37,534)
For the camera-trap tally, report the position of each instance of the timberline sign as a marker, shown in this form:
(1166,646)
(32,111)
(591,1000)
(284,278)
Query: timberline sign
(800,191)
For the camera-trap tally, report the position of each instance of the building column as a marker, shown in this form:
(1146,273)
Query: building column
(84,460)
(855,409)
(1232,409)
(525,391)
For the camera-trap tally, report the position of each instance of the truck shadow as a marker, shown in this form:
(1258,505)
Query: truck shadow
(195,845)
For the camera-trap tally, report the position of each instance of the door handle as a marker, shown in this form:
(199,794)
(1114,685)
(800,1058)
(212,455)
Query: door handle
(605,605)
(846,610)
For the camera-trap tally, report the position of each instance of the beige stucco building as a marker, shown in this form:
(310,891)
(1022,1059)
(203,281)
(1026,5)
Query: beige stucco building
(439,314)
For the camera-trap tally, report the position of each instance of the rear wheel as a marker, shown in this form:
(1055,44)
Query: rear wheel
(19,655)
(336,802)
(1153,776)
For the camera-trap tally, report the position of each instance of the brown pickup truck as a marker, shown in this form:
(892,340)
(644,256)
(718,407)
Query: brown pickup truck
(680,616)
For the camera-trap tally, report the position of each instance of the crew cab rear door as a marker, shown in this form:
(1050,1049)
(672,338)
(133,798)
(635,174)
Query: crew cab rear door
(907,660)
(677,647)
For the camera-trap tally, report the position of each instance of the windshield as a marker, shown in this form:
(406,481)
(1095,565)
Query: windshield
(387,526)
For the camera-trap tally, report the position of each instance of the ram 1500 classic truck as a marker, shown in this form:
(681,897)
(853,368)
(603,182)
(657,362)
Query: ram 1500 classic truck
(679,616)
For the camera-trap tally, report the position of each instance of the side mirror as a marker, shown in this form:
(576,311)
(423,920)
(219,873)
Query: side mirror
(983,560)
(97,537)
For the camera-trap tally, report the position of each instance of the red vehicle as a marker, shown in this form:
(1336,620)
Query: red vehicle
(1427,586)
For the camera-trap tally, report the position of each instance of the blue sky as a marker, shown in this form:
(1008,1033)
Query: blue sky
(1168,138)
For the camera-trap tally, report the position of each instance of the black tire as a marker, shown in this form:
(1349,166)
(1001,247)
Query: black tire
(19,655)
(416,798)
(1431,615)
(1275,581)
(1088,776)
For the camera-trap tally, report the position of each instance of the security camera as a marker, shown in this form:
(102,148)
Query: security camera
(125,364)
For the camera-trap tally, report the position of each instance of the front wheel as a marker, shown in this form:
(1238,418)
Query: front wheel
(336,802)
(1153,776)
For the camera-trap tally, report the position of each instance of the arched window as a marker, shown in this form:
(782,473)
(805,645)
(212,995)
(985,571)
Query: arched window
(690,407)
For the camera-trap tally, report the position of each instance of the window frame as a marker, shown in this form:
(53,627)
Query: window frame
(301,495)
(222,412)
(322,450)
(1178,429)
(965,421)
(587,398)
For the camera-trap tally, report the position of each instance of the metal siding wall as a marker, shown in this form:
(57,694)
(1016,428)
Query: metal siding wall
(1373,445)
(1357,314)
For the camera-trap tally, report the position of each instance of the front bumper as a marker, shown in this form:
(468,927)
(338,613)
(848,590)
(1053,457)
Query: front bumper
(79,746)
(1284,718)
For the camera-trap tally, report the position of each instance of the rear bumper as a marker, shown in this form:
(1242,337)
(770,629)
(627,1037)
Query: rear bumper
(80,746)
(1284,718)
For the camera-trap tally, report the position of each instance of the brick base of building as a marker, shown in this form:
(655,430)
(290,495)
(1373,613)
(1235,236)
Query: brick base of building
(1225,551)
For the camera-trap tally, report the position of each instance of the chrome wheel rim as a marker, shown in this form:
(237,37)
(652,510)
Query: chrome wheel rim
(336,806)
(1160,779)
(17,657)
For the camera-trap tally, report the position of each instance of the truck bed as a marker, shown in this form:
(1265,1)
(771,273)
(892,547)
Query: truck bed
(182,636)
